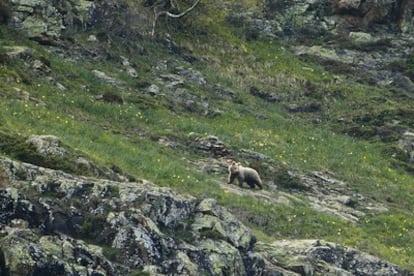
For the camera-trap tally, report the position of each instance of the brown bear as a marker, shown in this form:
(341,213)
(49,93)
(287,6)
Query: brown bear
(243,174)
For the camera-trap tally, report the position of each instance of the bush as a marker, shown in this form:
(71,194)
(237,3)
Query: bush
(3,55)
(409,66)
(4,179)
(5,12)
(93,226)
(112,253)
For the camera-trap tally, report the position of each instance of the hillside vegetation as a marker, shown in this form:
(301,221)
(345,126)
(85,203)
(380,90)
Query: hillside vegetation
(290,118)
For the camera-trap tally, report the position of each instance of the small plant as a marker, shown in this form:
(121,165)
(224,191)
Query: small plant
(409,66)
(136,272)
(113,254)
(3,54)
(113,190)
(5,12)
(4,179)
(92,226)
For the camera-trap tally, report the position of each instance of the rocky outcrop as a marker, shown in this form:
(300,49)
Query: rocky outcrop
(49,151)
(315,257)
(338,16)
(59,224)
(134,226)
(211,145)
(47,21)
(362,39)
(406,144)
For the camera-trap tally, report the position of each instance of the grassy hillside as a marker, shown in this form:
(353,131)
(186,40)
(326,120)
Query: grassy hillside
(126,132)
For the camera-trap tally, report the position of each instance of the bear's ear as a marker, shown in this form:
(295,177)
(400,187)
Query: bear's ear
(237,164)
(229,161)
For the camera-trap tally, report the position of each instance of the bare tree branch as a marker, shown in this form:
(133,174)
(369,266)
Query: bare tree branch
(184,12)
(157,14)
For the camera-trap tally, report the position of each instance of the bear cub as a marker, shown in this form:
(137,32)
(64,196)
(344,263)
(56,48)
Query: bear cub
(243,174)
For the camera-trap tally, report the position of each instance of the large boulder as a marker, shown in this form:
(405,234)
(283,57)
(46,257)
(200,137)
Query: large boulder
(406,143)
(26,253)
(315,257)
(212,219)
(134,226)
(47,20)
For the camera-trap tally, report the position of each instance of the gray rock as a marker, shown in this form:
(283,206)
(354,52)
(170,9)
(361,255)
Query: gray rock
(217,221)
(221,258)
(46,20)
(406,143)
(128,67)
(108,79)
(26,253)
(192,75)
(405,84)
(212,145)
(153,90)
(310,257)
(361,38)
(47,145)
(11,53)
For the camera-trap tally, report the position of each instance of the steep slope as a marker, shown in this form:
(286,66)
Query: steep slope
(332,141)
(54,223)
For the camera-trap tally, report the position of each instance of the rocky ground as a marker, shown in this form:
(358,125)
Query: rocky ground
(54,222)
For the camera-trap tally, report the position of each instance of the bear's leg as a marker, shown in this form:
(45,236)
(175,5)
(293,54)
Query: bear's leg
(251,183)
(231,178)
(241,180)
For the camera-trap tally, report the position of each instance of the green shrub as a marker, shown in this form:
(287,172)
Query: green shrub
(93,226)
(113,254)
(3,55)
(5,11)
(136,272)
(4,178)
(409,66)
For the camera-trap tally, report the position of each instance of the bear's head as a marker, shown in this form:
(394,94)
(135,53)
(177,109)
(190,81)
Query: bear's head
(234,167)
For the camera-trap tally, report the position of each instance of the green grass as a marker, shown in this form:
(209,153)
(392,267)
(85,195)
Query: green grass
(126,135)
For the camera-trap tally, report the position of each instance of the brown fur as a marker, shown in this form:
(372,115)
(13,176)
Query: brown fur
(243,174)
